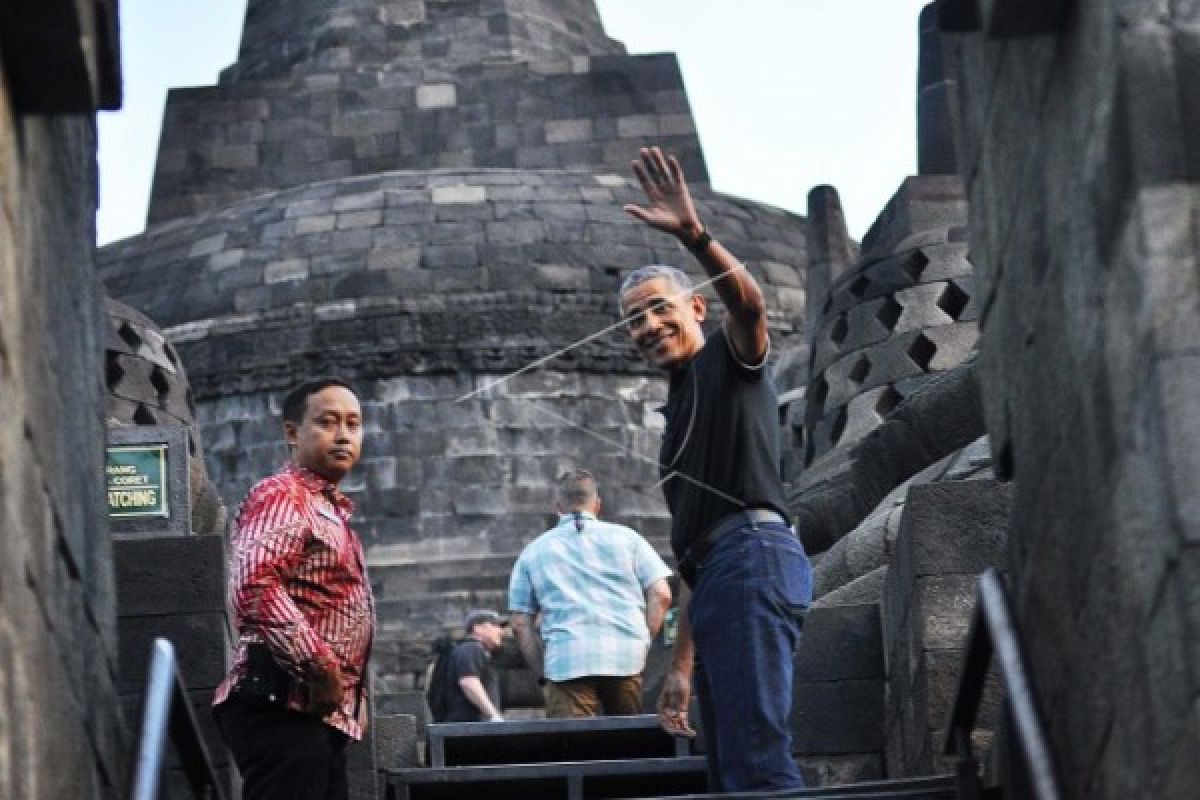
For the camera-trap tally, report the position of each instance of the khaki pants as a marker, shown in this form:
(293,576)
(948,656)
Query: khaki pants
(584,697)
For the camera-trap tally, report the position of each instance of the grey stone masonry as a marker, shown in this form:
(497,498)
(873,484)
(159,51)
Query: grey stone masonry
(1080,147)
(949,533)
(319,36)
(532,260)
(329,90)
(174,587)
(62,731)
(903,312)
(224,143)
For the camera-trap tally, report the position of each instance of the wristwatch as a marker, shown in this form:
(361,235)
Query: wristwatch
(700,244)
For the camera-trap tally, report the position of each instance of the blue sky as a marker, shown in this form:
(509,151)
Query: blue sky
(787,94)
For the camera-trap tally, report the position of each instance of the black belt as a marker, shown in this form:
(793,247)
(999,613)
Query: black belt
(698,550)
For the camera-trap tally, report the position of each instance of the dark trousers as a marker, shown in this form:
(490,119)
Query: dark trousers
(282,754)
(745,613)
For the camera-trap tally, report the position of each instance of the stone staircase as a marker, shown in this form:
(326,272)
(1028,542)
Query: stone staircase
(604,757)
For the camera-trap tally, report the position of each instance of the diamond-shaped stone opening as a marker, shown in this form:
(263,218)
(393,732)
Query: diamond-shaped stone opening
(887,401)
(860,370)
(889,313)
(798,438)
(113,371)
(840,328)
(953,300)
(922,351)
(143,416)
(915,264)
(860,286)
(1003,466)
(839,426)
(820,393)
(131,336)
(158,379)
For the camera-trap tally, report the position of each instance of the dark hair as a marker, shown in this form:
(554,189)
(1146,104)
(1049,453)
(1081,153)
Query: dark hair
(577,488)
(294,402)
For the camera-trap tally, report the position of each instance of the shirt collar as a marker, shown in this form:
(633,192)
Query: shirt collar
(318,485)
(564,519)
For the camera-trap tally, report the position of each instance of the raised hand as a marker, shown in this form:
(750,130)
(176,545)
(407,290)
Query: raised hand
(669,206)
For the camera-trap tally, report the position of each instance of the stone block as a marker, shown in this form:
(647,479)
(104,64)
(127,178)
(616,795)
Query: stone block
(953,528)
(200,640)
(568,130)
(291,269)
(459,256)
(840,643)
(170,575)
(841,770)
(437,95)
(838,717)
(459,194)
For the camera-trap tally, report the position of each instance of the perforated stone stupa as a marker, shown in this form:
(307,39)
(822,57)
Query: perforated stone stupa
(425,197)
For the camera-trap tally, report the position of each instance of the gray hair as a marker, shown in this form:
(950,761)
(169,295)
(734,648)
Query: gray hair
(649,273)
(577,489)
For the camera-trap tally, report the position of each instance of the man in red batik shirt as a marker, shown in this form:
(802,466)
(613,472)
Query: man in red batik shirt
(303,610)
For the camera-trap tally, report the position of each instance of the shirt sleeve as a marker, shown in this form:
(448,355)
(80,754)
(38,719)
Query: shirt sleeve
(648,565)
(468,660)
(268,545)
(747,372)
(521,598)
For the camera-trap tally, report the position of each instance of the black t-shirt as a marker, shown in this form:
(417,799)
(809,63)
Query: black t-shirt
(723,434)
(470,658)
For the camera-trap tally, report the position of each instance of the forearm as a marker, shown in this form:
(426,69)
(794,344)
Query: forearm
(658,600)
(478,696)
(530,643)
(735,286)
(683,654)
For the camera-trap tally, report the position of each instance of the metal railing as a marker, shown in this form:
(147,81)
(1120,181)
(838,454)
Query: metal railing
(993,632)
(167,715)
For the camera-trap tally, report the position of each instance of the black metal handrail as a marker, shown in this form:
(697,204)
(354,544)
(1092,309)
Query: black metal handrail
(167,713)
(994,631)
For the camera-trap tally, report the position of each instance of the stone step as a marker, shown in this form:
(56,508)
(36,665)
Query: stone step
(646,779)
(534,741)
(939,787)
(401,580)
(570,780)
(434,612)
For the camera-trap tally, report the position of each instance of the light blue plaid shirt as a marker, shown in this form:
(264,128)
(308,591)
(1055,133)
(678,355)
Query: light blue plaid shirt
(589,587)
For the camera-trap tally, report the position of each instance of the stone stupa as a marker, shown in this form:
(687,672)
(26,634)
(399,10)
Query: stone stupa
(424,196)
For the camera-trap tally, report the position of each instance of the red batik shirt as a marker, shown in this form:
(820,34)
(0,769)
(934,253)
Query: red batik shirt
(298,584)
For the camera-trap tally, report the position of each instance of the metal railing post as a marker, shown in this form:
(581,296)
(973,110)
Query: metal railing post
(993,634)
(167,715)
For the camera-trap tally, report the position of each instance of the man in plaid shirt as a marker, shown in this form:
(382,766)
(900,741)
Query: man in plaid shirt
(602,592)
(303,610)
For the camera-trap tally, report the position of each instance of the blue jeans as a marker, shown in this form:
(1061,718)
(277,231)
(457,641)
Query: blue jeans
(750,594)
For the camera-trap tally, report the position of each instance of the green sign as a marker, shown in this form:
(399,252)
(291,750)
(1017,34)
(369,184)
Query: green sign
(136,475)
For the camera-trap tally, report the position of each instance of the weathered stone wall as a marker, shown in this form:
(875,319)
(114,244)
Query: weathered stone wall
(1083,172)
(61,729)
(321,36)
